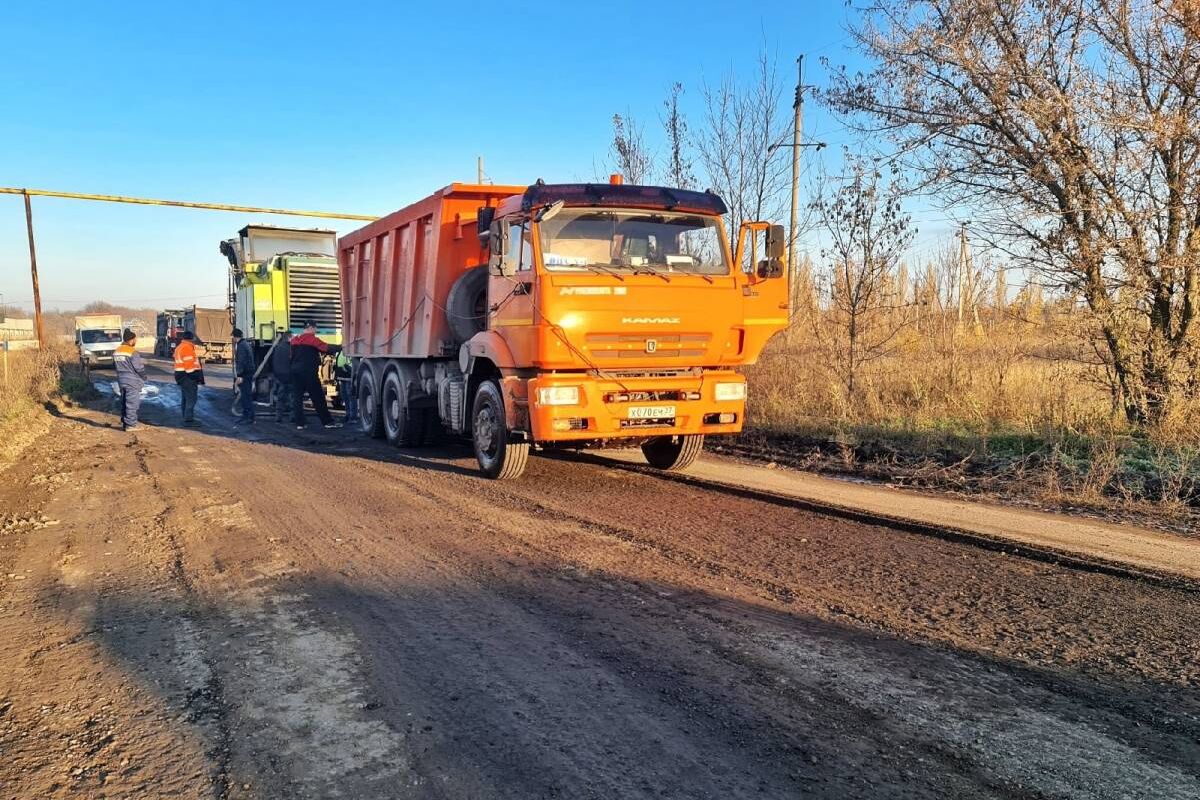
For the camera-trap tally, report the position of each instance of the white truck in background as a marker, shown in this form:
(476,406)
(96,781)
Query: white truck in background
(97,336)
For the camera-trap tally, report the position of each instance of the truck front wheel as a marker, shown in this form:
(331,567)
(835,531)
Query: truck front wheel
(370,415)
(673,453)
(498,457)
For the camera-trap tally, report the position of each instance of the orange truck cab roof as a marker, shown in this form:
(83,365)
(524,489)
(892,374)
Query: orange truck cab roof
(622,196)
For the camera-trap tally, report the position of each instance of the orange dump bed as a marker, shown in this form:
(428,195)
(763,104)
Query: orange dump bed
(397,271)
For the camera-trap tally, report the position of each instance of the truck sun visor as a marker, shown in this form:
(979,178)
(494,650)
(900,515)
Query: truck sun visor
(623,196)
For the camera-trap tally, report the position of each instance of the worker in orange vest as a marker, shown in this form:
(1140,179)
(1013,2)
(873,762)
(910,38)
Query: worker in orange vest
(189,374)
(131,377)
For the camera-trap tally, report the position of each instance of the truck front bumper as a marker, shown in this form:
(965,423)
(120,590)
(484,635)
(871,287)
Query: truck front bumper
(634,407)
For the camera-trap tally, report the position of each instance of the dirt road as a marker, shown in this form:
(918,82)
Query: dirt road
(278,614)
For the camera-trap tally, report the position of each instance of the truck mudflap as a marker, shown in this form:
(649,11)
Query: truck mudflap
(566,407)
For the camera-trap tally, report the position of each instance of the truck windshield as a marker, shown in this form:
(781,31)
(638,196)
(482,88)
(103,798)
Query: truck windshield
(582,239)
(99,337)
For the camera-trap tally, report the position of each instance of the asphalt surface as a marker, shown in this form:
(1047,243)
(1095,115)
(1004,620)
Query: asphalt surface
(261,612)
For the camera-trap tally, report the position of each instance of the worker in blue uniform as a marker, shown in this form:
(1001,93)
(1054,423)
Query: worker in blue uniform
(131,377)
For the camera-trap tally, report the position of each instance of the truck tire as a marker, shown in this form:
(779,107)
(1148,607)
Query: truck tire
(403,425)
(498,457)
(370,412)
(466,305)
(673,453)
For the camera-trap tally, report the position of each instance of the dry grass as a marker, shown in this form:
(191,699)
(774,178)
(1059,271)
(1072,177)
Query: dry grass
(1010,410)
(33,378)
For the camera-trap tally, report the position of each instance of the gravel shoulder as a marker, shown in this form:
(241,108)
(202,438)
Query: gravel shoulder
(1141,548)
(268,613)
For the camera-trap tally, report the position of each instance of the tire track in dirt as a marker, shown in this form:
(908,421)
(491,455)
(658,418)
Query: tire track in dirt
(505,523)
(205,703)
(384,629)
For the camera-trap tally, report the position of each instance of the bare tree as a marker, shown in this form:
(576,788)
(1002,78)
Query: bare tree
(868,234)
(679,161)
(741,123)
(631,158)
(1070,126)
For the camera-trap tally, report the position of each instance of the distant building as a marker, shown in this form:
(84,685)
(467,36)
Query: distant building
(18,332)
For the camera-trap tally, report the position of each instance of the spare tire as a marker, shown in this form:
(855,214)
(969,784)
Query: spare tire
(466,305)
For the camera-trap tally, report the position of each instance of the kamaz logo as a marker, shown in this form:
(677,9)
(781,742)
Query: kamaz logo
(649,320)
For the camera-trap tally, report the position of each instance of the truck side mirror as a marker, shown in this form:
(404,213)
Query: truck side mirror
(773,265)
(497,247)
(483,224)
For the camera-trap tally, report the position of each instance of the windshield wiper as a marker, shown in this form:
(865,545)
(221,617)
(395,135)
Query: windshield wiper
(646,268)
(606,270)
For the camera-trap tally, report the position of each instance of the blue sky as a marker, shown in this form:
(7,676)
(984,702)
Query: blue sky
(353,107)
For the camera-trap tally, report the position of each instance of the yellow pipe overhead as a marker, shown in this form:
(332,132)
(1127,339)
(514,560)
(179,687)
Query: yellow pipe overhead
(146,201)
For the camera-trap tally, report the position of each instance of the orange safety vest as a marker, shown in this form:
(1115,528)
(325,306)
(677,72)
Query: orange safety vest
(124,350)
(185,357)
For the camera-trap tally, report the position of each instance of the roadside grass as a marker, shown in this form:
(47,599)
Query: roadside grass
(1035,430)
(33,378)
(36,377)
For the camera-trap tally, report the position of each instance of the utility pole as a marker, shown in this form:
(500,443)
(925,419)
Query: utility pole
(966,280)
(796,144)
(962,269)
(479,169)
(37,291)
(797,129)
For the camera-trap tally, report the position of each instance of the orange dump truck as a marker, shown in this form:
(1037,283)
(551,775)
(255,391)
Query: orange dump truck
(529,317)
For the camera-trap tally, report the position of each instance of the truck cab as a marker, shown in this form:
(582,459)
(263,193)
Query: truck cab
(97,337)
(619,314)
(97,345)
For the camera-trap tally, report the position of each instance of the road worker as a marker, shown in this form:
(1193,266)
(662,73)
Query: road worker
(131,377)
(281,372)
(307,349)
(244,369)
(344,370)
(189,375)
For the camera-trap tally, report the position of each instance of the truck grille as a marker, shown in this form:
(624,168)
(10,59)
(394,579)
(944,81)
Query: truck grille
(613,346)
(313,296)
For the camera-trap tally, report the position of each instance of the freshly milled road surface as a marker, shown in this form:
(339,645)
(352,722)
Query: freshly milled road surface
(278,614)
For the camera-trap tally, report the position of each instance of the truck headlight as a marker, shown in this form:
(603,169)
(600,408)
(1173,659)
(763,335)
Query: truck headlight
(729,391)
(558,396)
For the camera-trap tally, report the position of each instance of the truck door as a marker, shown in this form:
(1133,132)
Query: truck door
(765,295)
(510,297)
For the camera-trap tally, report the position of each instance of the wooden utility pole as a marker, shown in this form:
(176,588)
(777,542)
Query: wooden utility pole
(37,291)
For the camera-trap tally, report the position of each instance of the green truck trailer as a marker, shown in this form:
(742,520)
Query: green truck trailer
(281,278)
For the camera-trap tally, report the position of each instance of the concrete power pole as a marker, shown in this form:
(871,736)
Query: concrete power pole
(962,271)
(797,129)
(479,169)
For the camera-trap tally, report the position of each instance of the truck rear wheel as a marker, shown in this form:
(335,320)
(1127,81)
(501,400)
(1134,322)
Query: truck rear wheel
(370,416)
(497,456)
(673,453)
(403,425)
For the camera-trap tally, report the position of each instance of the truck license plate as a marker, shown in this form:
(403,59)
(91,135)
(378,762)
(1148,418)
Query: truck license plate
(650,412)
